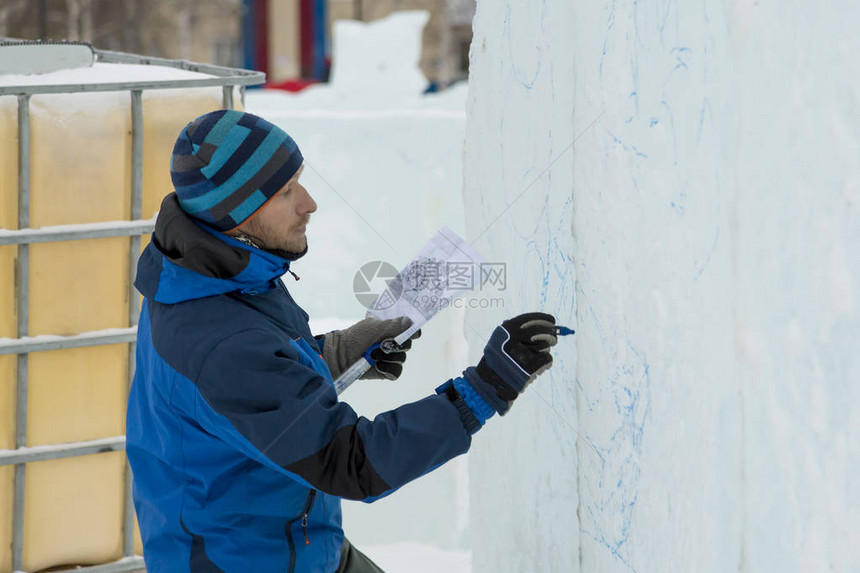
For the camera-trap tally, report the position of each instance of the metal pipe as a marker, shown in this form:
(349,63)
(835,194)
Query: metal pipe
(125,86)
(77,232)
(26,345)
(23,161)
(225,72)
(123,565)
(133,298)
(22,298)
(228,97)
(129,515)
(136,156)
(58,451)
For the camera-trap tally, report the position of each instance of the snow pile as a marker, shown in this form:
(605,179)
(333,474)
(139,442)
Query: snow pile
(102,73)
(379,59)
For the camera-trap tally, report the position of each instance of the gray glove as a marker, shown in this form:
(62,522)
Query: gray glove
(341,348)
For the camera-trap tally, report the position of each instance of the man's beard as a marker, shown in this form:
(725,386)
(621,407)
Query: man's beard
(289,255)
(255,241)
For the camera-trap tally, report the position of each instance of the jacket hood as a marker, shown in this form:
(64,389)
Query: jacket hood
(187,260)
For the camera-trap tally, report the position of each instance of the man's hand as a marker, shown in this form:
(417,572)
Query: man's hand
(517,352)
(342,348)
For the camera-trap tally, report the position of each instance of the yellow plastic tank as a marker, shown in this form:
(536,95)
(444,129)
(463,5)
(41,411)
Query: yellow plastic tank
(80,173)
(8,220)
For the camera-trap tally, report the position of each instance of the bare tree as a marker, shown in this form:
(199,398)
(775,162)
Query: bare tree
(86,20)
(185,19)
(9,10)
(133,26)
(73,20)
(79,20)
(189,29)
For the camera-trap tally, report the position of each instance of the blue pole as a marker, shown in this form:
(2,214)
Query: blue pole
(320,44)
(249,56)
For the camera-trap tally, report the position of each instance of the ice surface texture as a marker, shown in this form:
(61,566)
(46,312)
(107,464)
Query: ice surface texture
(701,236)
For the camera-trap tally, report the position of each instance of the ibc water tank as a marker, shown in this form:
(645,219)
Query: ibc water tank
(81,170)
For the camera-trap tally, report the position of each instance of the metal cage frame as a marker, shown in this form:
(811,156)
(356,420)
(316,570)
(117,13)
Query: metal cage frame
(135,227)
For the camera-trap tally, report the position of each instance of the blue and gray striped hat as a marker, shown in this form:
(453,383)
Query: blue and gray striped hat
(227,164)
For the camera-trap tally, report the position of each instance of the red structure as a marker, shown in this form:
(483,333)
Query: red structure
(313,40)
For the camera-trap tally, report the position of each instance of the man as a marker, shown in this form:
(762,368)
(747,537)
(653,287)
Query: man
(239,446)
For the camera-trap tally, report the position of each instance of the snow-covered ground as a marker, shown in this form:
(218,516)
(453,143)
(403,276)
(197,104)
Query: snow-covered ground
(410,557)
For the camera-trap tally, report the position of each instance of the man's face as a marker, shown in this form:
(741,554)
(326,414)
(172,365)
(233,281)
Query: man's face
(280,225)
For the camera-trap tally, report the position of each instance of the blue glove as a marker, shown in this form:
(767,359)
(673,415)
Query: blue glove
(518,351)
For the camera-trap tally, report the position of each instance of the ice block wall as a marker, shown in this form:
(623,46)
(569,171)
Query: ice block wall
(680,183)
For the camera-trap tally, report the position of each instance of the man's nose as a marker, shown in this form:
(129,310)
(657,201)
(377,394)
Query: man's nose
(306,202)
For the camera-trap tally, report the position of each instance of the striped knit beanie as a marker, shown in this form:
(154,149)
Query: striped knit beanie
(227,164)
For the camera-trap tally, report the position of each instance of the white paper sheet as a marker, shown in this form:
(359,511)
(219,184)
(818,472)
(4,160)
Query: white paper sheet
(445,268)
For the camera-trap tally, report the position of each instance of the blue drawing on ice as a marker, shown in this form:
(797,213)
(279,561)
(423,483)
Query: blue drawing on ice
(622,401)
(516,55)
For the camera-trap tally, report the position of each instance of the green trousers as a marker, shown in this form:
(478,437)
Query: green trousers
(354,561)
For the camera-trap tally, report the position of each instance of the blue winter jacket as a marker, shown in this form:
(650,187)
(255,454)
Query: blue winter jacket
(240,448)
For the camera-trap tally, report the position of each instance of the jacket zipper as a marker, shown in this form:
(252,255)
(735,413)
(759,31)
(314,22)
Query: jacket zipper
(304,519)
(311,497)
